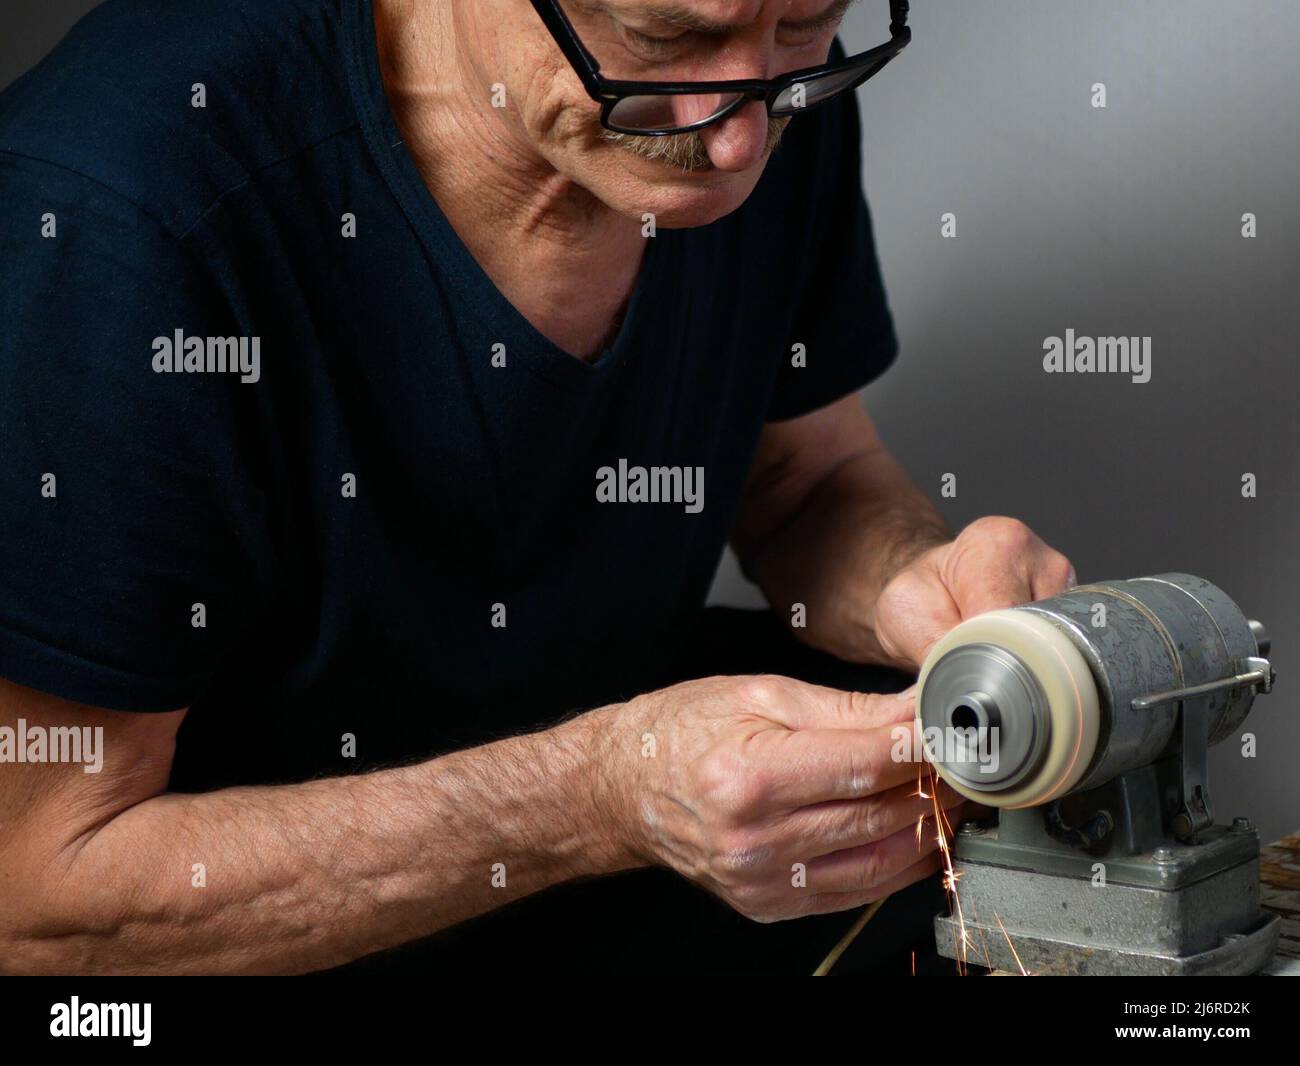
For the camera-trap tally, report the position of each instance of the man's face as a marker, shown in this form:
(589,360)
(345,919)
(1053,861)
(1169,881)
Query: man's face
(685,179)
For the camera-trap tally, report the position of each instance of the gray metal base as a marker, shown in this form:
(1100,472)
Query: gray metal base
(1068,925)
(1238,955)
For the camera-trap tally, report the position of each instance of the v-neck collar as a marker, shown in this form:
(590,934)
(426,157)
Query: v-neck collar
(455,264)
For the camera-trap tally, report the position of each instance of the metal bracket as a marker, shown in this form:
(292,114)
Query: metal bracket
(1195,813)
(1255,671)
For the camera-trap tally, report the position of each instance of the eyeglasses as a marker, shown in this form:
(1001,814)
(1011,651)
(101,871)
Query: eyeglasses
(657,109)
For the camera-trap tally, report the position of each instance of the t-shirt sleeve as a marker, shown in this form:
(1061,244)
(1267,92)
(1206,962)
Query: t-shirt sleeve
(841,315)
(132,550)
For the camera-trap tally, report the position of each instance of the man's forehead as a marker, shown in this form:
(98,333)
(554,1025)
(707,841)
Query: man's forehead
(722,15)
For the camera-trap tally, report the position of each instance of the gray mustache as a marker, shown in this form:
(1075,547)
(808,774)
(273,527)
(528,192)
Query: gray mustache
(684,150)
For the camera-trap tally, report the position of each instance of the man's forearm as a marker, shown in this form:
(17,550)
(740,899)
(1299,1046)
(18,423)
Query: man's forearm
(302,877)
(858,527)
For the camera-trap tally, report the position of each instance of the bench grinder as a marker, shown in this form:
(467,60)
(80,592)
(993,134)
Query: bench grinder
(1086,720)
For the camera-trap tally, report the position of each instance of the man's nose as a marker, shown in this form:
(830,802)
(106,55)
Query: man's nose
(739,140)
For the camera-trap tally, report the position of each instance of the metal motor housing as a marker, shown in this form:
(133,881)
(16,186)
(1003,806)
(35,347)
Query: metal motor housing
(1162,633)
(1141,639)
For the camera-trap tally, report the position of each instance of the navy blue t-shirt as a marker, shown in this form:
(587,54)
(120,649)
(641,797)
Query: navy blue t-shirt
(325,549)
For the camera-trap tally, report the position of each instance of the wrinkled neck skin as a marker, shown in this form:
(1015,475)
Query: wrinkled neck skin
(564,259)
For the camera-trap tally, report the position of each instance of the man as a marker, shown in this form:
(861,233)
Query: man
(372,406)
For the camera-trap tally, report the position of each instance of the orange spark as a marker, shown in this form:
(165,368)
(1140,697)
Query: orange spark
(943,834)
(1014,954)
(943,831)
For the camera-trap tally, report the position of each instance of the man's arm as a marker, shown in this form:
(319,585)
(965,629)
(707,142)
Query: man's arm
(730,781)
(831,520)
(97,871)
(828,517)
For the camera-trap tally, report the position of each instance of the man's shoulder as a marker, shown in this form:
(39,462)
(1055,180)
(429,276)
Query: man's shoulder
(171,103)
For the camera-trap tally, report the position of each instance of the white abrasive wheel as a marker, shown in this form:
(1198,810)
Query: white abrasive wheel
(1063,675)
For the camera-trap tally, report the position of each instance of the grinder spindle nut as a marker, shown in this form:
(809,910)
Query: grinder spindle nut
(1008,710)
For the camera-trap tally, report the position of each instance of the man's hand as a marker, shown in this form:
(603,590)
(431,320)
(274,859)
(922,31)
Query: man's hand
(994,563)
(782,798)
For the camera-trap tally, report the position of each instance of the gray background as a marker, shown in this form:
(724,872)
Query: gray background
(1117,222)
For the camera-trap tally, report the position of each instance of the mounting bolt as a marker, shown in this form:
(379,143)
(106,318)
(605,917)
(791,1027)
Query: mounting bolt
(970,829)
(1163,854)
(1243,825)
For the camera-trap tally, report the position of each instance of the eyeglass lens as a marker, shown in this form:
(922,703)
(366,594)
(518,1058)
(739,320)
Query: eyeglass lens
(794,98)
(658,113)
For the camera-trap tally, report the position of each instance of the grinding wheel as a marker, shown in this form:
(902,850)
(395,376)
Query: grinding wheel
(1017,671)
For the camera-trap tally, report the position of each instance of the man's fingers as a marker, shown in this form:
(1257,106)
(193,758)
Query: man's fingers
(1002,583)
(833,902)
(999,562)
(829,827)
(1009,582)
(791,769)
(799,705)
(1052,575)
(871,866)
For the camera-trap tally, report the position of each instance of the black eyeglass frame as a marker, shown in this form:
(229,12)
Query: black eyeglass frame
(609,92)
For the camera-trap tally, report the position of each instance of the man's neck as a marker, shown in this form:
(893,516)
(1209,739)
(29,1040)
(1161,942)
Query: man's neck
(560,256)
